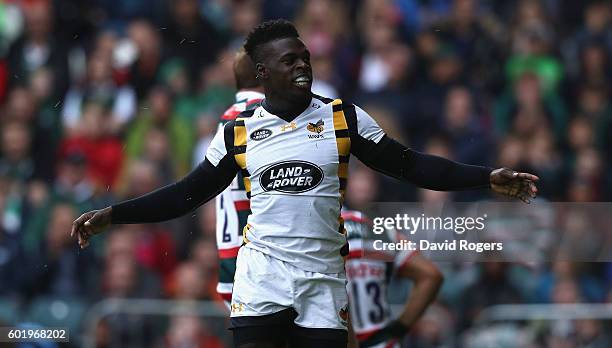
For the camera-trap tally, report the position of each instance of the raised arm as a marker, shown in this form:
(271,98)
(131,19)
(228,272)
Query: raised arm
(374,148)
(177,199)
(427,171)
(202,184)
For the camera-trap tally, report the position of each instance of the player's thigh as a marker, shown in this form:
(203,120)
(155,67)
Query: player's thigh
(262,285)
(320,338)
(321,300)
(272,330)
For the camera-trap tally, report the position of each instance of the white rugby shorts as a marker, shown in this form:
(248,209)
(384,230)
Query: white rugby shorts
(265,285)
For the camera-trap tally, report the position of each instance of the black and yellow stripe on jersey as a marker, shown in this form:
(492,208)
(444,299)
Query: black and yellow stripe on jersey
(343,141)
(235,136)
(236,144)
(345,123)
(243,183)
(240,145)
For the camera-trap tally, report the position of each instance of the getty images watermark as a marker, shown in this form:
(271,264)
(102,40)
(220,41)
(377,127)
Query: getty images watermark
(411,225)
(490,231)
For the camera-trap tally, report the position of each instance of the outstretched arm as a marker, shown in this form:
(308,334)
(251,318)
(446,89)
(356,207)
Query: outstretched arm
(441,174)
(177,199)
(169,202)
(203,183)
(427,171)
(370,144)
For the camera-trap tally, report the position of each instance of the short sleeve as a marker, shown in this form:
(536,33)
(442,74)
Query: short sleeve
(367,128)
(217,150)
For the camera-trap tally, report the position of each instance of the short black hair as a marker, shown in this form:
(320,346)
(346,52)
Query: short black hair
(266,32)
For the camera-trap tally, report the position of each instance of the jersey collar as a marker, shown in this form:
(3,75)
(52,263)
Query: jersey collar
(248,95)
(308,109)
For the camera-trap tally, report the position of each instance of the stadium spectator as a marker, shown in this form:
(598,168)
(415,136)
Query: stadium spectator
(16,161)
(55,269)
(161,137)
(155,249)
(533,39)
(473,34)
(12,250)
(72,182)
(123,277)
(41,124)
(244,15)
(174,77)
(190,36)
(362,189)
(385,78)
(528,109)
(492,286)
(595,68)
(149,56)
(322,24)
(102,150)
(39,48)
(596,109)
(191,283)
(100,88)
(546,160)
(189,331)
(594,29)
(567,283)
(467,136)
(120,278)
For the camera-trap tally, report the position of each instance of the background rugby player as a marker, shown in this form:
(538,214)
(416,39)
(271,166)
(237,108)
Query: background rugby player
(232,205)
(369,271)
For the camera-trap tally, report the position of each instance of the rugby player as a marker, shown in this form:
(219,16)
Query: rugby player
(232,205)
(293,152)
(369,271)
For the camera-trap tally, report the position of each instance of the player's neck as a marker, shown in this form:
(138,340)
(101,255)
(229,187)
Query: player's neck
(285,109)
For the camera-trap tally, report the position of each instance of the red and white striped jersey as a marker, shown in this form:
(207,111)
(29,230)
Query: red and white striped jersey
(232,205)
(368,272)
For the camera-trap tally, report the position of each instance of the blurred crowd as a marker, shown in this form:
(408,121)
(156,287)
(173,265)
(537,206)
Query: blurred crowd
(105,100)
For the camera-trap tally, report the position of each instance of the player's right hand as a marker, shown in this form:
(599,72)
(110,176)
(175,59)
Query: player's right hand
(394,330)
(89,224)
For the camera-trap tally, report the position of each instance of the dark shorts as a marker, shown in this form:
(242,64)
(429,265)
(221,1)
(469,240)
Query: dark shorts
(279,328)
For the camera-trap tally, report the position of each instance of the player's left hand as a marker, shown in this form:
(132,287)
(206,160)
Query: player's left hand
(514,184)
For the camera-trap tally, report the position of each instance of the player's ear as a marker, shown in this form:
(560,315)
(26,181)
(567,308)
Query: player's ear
(262,71)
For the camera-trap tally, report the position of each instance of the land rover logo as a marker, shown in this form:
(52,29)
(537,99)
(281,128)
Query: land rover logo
(261,134)
(291,177)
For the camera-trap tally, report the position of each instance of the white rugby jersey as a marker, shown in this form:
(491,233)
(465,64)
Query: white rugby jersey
(296,174)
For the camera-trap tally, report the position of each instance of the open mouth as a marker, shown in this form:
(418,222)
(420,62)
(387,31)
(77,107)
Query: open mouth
(302,81)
